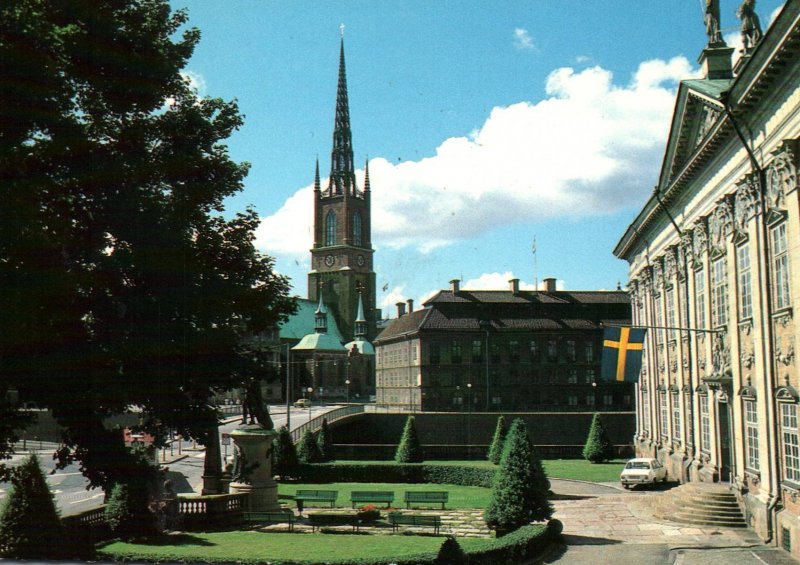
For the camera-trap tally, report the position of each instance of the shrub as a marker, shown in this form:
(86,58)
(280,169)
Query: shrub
(308,451)
(396,473)
(519,493)
(325,442)
(598,446)
(29,524)
(127,513)
(284,454)
(409,450)
(450,553)
(498,440)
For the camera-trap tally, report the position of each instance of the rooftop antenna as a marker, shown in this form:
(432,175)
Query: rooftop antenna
(535,269)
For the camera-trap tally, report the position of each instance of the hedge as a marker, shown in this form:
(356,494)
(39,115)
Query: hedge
(396,473)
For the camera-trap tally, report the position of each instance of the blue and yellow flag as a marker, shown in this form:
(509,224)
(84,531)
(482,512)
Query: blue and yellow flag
(622,354)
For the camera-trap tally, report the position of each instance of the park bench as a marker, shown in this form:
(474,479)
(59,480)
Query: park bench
(304,496)
(426,497)
(277,517)
(363,496)
(397,519)
(320,519)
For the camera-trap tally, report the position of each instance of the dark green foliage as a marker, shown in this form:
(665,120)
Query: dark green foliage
(285,460)
(124,282)
(519,493)
(29,524)
(451,553)
(498,440)
(598,448)
(325,442)
(396,473)
(127,513)
(308,450)
(409,449)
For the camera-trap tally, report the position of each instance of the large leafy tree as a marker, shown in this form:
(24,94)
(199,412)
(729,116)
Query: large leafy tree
(123,285)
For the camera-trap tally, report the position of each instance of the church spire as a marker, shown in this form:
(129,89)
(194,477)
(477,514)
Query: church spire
(361,321)
(366,176)
(316,176)
(343,178)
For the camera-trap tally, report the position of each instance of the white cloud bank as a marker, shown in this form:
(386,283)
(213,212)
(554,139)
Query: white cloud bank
(590,147)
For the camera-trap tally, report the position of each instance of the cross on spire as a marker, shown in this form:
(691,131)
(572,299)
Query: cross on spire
(341,29)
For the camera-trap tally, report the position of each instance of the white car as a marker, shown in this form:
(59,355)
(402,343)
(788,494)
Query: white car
(302,403)
(642,471)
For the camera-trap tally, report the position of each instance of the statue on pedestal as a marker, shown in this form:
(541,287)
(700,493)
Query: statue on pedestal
(751,25)
(712,23)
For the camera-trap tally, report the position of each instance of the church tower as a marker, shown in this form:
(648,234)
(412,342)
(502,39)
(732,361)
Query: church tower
(341,259)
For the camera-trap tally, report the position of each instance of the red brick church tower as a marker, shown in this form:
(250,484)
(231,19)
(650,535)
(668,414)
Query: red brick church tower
(341,259)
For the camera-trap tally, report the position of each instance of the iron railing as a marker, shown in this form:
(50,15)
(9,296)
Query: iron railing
(316,423)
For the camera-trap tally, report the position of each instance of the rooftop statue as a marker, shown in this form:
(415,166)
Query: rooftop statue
(751,26)
(712,23)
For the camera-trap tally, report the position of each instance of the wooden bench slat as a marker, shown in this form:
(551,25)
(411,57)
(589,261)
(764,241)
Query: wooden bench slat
(386,496)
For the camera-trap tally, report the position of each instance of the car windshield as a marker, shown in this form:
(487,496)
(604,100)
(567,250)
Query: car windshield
(637,465)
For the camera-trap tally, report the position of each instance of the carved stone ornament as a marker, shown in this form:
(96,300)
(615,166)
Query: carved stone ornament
(708,117)
(670,266)
(672,354)
(720,225)
(646,280)
(784,318)
(746,328)
(748,359)
(784,351)
(701,361)
(781,176)
(685,361)
(700,236)
(687,248)
(658,277)
(748,203)
(721,354)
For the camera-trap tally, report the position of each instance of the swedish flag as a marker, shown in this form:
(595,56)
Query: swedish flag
(622,354)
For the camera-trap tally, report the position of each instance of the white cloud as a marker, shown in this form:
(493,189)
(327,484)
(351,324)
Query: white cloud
(395,295)
(590,147)
(197,82)
(522,39)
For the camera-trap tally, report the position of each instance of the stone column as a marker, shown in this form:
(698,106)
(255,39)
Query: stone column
(212,465)
(252,472)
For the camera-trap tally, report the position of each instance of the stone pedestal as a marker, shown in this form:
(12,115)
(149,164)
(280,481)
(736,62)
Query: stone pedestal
(252,470)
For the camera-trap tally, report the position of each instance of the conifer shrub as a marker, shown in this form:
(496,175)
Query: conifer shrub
(450,553)
(308,450)
(598,448)
(325,442)
(520,489)
(285,454)
(127,513)
(409,449)
(498,440)
(30,527)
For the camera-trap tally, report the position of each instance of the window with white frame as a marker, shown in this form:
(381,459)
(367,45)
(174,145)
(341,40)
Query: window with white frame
(745,292)
(780,267)
(791,443)
(700,297)
(588,350)
(658,318)
(719,293)
(676,416)
(646,412)
(705,424)
(751,433)
(670,302)
(664,413)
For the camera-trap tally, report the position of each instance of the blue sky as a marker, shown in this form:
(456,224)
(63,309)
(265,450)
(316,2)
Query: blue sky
(485,124)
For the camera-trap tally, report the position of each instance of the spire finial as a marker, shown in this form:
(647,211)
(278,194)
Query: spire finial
(316,176)
(342,179)
(341,29)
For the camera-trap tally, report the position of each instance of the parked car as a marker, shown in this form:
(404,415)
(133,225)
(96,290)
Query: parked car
(642,471)
(302,403)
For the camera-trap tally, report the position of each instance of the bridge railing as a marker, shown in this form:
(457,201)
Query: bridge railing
(316,423)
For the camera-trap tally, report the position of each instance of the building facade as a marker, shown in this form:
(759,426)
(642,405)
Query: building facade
(715,272)
(510,350)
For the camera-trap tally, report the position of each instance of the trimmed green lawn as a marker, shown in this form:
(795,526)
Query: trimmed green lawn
(582,470)
(462,463)
(459,496)
(254,546)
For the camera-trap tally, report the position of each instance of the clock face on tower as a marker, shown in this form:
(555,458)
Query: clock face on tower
(329,260)
(360,260)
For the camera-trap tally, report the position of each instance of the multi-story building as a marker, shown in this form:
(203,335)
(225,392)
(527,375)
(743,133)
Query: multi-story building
(495,350)
(715,254)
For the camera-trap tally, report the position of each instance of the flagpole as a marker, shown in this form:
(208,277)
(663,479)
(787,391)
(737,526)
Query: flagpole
(679,329)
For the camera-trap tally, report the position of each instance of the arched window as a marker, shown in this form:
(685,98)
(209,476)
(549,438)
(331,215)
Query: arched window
(330,229)
(357,228)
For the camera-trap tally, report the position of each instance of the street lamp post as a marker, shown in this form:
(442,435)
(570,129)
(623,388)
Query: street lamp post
(347,384)
(310,390)
(288,389)
(486,328)
(469,420)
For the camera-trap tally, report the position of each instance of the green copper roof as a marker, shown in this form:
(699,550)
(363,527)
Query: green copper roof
(303,323)
(364,347)
(712,88)
(319,342)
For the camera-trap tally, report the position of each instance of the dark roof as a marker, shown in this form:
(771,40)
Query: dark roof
(530,297)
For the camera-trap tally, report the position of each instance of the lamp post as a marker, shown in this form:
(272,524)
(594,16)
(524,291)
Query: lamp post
(485,325)
(288,389)
(469,420)
(310,390)
(347,384)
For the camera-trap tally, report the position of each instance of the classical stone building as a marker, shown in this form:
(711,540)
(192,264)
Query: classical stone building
(715,250)
(330,335)
(501,350)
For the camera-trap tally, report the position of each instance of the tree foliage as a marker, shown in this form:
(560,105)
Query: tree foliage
(123,284)
(325,442)
(450,553)
(129,512)
(520,490)
(308,450)
(498,441)
(598,446)
(409,449)
(285,459)
(29,524)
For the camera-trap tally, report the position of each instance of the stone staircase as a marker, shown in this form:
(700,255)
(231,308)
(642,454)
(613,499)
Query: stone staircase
(700,504)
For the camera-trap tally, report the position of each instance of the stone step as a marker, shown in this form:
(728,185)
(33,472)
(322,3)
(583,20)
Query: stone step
(701,505)
(701,521)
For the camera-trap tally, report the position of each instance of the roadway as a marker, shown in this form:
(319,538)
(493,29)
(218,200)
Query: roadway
(183,459)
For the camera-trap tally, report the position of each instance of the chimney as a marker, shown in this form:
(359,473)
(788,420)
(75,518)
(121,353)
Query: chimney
(410,303)
(514,286)
(550,285)
(455,286)
(401,309)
